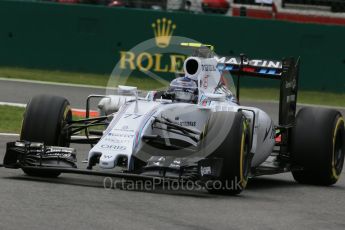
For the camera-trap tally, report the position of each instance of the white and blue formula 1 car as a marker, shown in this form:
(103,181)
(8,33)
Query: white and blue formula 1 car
(196,130)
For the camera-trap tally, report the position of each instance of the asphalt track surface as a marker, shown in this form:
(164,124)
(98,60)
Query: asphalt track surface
(22,92)
(81,202)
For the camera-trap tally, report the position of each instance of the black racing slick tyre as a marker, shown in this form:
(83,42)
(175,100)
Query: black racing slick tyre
(318,146)
(234,150)
(44,120)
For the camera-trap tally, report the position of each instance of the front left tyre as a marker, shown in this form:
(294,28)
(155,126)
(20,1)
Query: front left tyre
(45,119)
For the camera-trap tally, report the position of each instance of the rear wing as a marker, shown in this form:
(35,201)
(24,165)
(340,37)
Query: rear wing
(256,67)
(286,71)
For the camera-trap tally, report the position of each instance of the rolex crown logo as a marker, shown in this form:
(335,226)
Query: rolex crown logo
(163,30)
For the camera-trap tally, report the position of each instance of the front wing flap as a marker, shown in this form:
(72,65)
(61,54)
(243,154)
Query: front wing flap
(29,154)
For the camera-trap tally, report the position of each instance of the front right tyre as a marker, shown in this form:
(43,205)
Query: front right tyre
(231,133)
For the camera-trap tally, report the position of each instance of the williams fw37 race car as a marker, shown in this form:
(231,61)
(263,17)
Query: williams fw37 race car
(196,130)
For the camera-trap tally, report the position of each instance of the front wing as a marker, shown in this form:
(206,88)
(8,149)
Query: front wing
(37,156)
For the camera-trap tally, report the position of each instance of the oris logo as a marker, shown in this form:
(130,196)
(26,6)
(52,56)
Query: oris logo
(114,147)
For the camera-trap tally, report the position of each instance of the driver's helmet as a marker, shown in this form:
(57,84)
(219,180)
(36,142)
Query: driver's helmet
(184,90)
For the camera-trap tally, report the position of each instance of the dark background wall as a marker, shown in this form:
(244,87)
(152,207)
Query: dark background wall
(89,39)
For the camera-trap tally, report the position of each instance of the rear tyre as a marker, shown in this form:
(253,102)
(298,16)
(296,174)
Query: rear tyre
(234,150)
(318,146)
(44,120)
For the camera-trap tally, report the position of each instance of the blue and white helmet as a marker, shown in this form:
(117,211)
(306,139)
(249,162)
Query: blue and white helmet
(185,90)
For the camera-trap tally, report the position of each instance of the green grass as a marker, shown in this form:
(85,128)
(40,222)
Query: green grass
(54,76)
(72,77)
(320,98)
(11,119)
(308,97)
